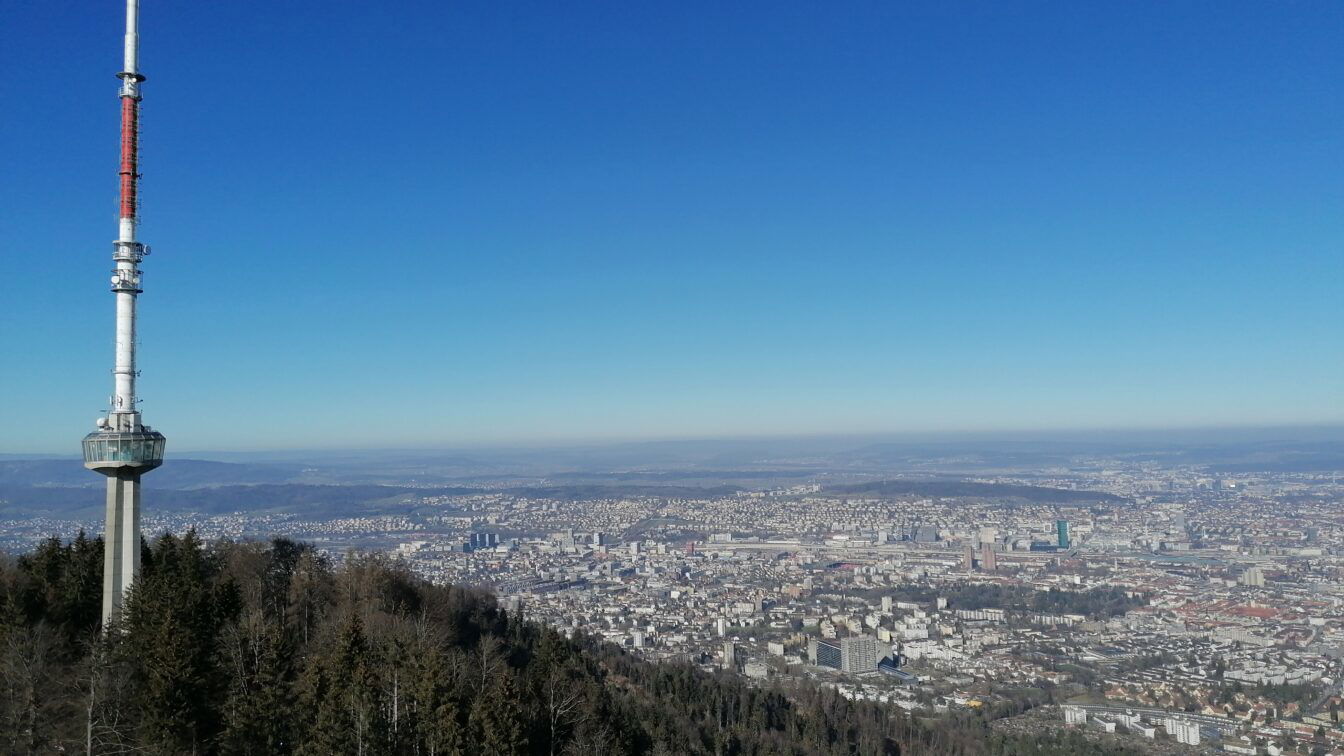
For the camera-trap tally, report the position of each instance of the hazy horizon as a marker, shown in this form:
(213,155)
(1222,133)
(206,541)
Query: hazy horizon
(1139,436)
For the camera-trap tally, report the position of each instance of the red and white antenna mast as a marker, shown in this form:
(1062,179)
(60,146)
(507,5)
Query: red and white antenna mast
(129,252)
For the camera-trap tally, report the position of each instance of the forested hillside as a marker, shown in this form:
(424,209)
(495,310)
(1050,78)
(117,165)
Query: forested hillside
(246,648)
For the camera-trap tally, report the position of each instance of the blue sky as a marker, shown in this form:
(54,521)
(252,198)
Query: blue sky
(442,222)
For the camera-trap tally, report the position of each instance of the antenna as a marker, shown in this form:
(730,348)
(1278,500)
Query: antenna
(121,447)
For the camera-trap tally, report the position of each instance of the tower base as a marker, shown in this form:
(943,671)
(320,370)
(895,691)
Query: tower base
(121,540)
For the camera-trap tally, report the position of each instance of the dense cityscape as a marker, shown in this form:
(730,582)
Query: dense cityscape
(1138,601)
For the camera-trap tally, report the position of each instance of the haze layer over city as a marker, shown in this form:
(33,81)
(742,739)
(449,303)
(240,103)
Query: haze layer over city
(977,368)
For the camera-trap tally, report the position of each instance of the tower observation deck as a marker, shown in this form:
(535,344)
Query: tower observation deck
(122,447)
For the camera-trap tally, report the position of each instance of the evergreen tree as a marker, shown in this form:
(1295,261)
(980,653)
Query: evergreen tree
(174,617)
(342,694)
(496,718)
(437,711)
(81,605)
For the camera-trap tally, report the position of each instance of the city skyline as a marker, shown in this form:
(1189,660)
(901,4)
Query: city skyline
(609,224)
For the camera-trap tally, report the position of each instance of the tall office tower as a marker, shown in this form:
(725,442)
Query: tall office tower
(1178,523)
(729,655)
(1062,530)
(122,447)
(968,557)
(858,654)
(988,560)
(824,653)
(1253,577)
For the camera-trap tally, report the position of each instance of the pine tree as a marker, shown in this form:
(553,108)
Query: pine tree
(174,615)
(496,719)
(342,693)
(82,587)
(437,712)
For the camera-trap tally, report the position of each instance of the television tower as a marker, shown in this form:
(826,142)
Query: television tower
(123,448)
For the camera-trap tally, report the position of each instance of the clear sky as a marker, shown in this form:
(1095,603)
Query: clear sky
(384,223)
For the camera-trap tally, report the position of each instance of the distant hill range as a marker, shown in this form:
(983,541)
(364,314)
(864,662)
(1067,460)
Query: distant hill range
(178,473)
(338,484)
(363,500)
(1230,455)
(949,488)
(62,488)
(309,501)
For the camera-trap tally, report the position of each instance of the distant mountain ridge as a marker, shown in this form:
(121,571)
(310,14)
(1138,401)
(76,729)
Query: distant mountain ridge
(304,499)
(366,500)
(176,473)
(971,489)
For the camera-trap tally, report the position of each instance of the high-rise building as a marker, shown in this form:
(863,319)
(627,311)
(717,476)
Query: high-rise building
(1178,523)
(988,560)
(1253,577)
(968,557)
(122,447)
(1182,730)
(858,654)
(824,653)
(1062,533)
(482,541)
(729,655)
(1075,715)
